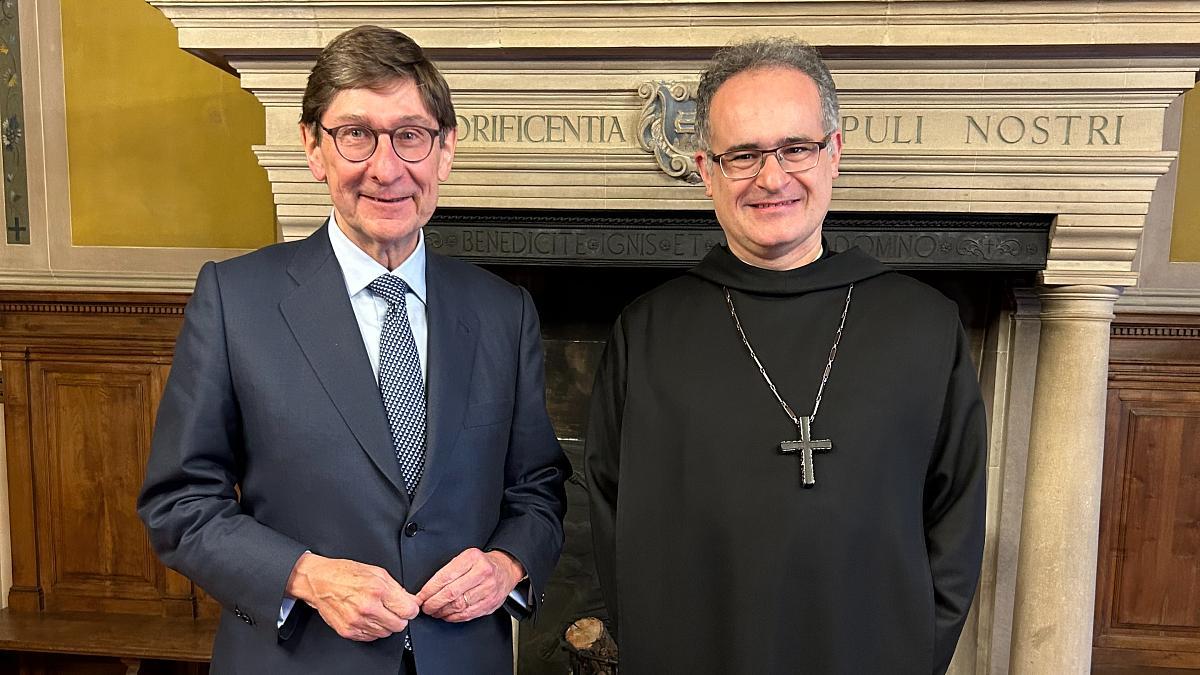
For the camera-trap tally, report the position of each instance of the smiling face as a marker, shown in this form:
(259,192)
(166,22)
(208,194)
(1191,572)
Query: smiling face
(774,219)
(381,203)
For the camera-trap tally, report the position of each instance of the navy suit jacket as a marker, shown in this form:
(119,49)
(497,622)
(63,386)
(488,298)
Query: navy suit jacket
(272,439)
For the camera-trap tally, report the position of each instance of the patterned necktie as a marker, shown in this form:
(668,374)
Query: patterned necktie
(400,380)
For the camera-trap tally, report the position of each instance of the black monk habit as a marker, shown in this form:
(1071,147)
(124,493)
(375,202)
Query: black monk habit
(712,556)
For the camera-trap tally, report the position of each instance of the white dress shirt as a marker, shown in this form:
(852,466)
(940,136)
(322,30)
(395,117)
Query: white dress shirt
(359,270)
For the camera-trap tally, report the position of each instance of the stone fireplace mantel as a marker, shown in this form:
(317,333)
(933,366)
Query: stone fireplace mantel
(960,107)
(1053,112)
(247,26)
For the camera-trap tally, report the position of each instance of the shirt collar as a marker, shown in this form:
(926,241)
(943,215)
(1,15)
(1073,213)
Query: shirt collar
(360,269)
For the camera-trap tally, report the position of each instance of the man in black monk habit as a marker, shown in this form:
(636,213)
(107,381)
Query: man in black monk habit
(786,450)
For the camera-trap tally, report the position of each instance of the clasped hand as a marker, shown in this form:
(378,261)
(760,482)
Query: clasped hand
(363,602)
(359,601)
(472,585)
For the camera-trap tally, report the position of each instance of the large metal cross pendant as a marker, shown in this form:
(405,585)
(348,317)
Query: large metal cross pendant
(806,446)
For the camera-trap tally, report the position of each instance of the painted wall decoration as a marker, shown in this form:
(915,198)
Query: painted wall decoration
(12,125)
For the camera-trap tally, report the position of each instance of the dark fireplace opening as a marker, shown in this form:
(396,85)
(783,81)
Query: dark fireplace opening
(583,267)
(577,307)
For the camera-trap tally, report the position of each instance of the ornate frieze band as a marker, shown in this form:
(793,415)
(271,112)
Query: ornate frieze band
(174,309)
(906,241)
(1165,332)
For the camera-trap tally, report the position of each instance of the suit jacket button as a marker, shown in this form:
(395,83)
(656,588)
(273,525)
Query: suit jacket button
(411,529)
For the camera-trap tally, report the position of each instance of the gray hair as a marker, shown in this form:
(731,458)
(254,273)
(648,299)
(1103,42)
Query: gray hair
(764,53)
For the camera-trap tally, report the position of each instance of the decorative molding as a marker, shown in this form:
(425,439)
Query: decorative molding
(1168,332)
(1169,326)
(1026,303)
(952,222)
(682,238)
(976,171)
(33,280)
(667,128)
(1155,351)
(1160,301)
(836,220)
(12,127)
(1078,303)
(59,322)
(519,24)
(1135,375)
(91,308)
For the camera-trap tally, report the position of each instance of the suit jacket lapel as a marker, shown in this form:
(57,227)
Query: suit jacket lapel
(451,352)
(323,323)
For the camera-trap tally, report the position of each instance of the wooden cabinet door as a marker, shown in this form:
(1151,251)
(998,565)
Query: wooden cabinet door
(91,420)
(83,375)
(1148,581)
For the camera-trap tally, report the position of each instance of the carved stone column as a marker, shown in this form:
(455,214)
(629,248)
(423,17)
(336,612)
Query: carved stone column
(1056,573)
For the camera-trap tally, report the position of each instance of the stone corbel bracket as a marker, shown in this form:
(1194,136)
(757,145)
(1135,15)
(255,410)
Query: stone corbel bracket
(667,128)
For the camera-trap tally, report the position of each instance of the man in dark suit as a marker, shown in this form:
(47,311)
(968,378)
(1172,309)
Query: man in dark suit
(347,520)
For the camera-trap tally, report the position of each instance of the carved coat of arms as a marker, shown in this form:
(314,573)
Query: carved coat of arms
(667,128)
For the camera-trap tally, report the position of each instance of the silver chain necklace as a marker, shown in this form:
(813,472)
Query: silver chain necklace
(804,445)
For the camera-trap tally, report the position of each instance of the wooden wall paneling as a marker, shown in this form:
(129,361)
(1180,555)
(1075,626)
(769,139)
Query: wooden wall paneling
(1151,591)
(1110,522)
(84,374)
(25,594)
(206,607)
(1158,574)
(1148,578)
(92,423)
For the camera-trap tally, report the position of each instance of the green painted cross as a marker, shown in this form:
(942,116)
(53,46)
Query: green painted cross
(16,232)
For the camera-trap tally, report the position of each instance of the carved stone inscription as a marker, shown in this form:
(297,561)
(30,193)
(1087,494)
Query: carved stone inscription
(542,128)
(587,246)
(1045,129)
(948,250)
(670,247)
(665,128)
(993,130)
